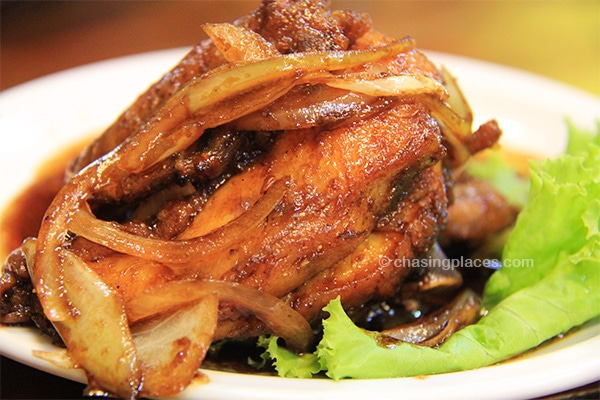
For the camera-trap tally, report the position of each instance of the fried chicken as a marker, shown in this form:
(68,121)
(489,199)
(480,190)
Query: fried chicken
(289,190)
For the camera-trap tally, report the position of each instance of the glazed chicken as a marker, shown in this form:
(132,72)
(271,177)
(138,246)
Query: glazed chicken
(267,173)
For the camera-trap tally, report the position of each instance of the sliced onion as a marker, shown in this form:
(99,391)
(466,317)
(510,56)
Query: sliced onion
(112,235)
(46,268)
(96,333)
(59,358)
(283,321)
(310,106)
(442,111)
(237,43)
(171,349)
(455,129)
(348,96)
(435,277)
(456,99)
(435,328)
(396,85)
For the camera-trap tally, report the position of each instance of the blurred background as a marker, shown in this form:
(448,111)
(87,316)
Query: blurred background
(557,39)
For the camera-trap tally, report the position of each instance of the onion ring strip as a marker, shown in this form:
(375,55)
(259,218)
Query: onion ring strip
(283,320)
(111,235)
(171,349)
(323,106)
(395,85)
(455,129)
(204,96)
(97,333)
(239,44)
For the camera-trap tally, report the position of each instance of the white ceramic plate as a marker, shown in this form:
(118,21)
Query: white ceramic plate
(39,118)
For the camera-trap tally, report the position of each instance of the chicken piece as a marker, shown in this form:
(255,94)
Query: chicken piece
(478,211)
(376,268)
(340,181)
(300,218)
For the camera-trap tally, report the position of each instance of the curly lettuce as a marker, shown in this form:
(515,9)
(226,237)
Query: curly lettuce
(550,283)
(505,177)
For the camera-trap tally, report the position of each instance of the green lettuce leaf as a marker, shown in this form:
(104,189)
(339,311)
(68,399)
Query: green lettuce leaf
(504,176)
(287,363)
(580,138)
(559,216)
(549,283)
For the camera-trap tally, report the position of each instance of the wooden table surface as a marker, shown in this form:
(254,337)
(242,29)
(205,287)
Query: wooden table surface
(557,39)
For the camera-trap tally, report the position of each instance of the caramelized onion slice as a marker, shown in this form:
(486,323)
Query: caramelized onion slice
(395,85)
(171,348)
(237,43)
(45,268)
(456,99)
(172,252)
(455,129)
(434,329)
(283,321)
(96,332)
(310,106)
(339,98)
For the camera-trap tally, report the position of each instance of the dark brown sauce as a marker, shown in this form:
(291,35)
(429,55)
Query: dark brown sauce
(23,216)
